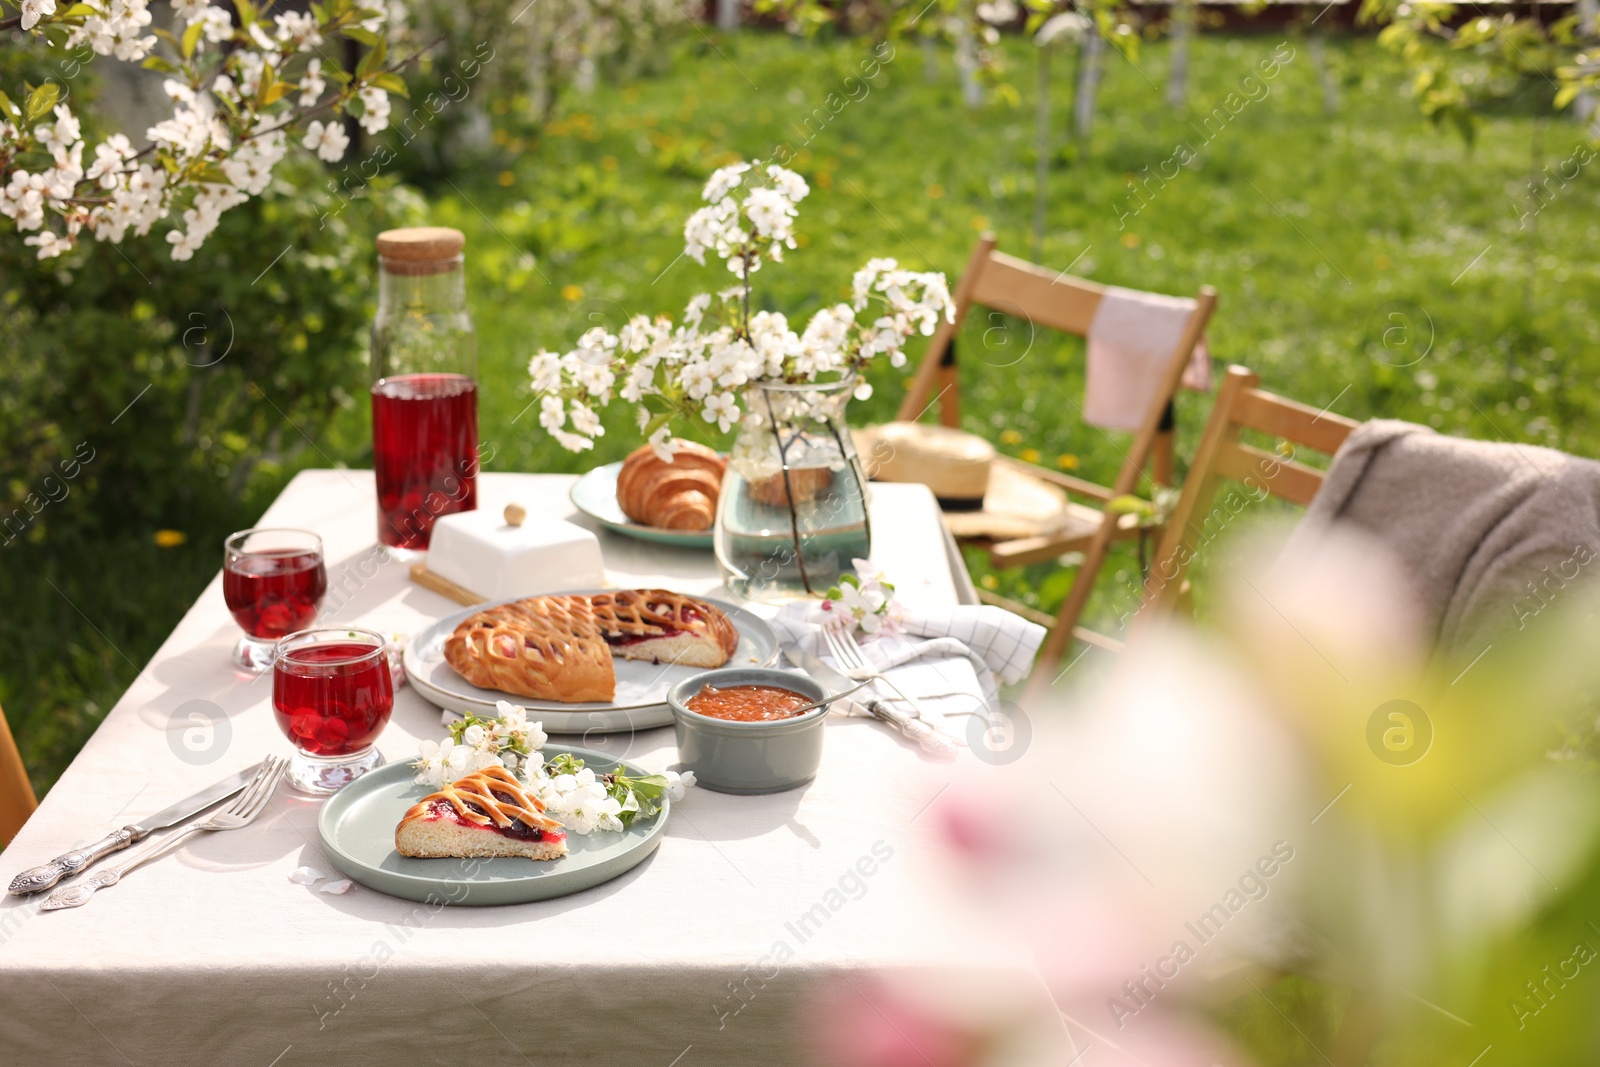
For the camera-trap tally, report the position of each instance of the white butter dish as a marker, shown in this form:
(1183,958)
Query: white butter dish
(512,555)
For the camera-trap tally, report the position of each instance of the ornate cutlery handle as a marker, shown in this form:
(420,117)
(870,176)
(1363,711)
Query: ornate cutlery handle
(76,896)
(46,875)
(931,740)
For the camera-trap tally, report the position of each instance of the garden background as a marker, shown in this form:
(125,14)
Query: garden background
(1365,259)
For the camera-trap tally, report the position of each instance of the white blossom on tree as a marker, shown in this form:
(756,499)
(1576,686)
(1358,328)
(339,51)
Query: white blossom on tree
(237,89)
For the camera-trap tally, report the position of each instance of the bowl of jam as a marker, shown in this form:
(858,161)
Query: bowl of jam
(741,730)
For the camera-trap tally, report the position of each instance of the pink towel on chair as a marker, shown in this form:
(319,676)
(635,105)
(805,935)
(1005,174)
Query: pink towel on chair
(1131,339)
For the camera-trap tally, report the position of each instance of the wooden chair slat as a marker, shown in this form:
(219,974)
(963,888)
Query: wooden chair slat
(1280,476)
(1045,298)
(1300,423)
(1222,456)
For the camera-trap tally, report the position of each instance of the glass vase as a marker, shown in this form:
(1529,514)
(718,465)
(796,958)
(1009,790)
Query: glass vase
(792,516)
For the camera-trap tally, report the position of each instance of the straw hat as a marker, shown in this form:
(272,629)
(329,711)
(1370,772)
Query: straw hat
(981,496)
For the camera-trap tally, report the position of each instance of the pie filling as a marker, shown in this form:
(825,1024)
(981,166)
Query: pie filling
(518,830)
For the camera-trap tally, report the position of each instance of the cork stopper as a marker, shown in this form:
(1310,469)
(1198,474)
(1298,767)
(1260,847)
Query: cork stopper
(515,514)
(419,250)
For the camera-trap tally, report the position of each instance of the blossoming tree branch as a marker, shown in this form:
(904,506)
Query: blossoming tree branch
(696,369)
(238,89)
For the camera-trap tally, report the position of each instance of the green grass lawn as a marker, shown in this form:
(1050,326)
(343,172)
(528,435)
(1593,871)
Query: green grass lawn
(1315,229)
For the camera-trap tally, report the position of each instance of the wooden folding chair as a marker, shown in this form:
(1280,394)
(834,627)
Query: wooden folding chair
(16,792)
(1222,455)
(1059,301)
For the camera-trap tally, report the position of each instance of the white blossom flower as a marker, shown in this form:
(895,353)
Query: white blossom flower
(721,409)
(33,11)
(375,119)
(218,26)
(439,762)
(328,140)
(723,181)
(297,28)
(677,783)
(664,444)
(312,83)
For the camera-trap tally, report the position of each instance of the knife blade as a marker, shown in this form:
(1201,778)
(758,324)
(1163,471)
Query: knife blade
(931,740)
(46,875)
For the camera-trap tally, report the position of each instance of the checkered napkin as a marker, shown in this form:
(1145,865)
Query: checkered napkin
(953,659)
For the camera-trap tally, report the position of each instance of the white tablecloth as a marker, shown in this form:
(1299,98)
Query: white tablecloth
(212,956)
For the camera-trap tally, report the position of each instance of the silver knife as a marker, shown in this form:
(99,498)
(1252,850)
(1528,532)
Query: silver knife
(931,740)
(46,875)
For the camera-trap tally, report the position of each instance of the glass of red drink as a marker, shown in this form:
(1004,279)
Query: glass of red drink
(274,581)
(332,694)
(424,386)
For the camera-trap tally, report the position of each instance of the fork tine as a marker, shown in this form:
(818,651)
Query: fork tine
(844,650)
(259,804)
(247,797)
(243,799)
(831,640)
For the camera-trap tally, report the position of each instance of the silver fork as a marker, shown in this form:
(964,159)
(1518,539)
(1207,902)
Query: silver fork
(251,803)
(853,664)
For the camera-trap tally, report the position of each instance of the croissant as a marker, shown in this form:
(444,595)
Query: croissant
(681,495)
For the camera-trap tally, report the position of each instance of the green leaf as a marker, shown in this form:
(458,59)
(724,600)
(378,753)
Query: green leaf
(277,91)
(1566,94)
(1128,504)
(157,63)
(41,100)
(6,105)
(78,11)
(247,13)
(373,60)
(356,33)
(191,39)
(392,83)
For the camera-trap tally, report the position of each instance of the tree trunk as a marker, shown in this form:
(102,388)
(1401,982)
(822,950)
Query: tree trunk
(1319,63)
(967,67)
(1094,47)
(1183,19)
(727,15)
(1585,105)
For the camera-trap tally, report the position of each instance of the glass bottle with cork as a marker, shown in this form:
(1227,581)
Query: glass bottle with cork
(424,386)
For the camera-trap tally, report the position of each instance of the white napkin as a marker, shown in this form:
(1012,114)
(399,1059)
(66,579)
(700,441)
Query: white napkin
(953,660)
(1131,339)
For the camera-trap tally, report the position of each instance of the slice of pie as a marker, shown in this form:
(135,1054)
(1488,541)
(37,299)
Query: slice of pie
(561,647)
(487,813)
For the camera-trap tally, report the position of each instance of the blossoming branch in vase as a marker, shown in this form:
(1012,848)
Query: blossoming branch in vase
(695,369)
(573,795)
(235,101)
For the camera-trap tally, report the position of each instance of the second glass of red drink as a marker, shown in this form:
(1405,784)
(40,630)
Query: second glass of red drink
(332,694)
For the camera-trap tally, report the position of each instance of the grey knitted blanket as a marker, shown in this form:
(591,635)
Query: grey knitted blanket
(1491,534)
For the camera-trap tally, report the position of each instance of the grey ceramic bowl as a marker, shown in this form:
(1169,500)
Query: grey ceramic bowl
(749,757)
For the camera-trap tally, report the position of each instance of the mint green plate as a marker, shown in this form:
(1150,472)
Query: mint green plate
(357,827)
(595,494)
